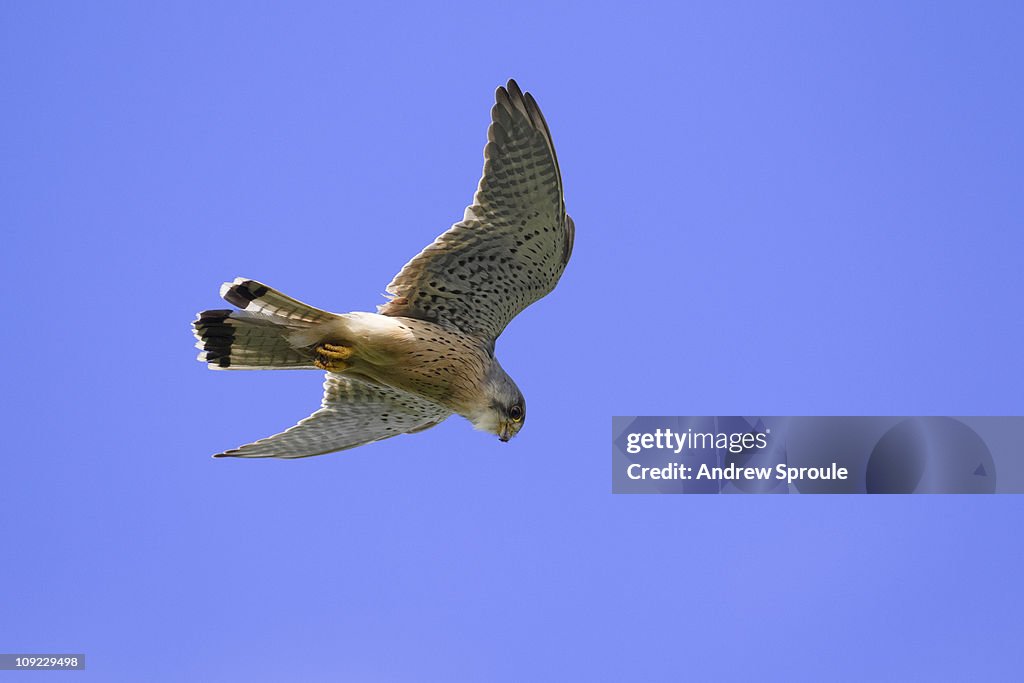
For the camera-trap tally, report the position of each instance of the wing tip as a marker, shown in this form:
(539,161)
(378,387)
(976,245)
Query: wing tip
(513,88)
(511,100)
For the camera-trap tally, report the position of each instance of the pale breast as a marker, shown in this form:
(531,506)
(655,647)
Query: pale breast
(420,357)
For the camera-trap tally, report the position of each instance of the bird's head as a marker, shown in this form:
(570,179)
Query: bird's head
(503,410)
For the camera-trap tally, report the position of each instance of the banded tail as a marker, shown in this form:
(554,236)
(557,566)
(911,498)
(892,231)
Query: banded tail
(261,335)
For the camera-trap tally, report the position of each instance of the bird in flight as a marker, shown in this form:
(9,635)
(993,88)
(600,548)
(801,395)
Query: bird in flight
(429,351)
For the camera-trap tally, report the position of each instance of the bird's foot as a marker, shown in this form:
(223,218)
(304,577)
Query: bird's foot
(332,357)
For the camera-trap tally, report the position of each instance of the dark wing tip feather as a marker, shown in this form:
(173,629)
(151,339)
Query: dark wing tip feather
(537,117)
(511,100)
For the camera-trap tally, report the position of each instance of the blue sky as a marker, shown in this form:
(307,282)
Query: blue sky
(781,209)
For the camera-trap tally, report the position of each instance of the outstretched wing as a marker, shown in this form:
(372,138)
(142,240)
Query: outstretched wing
(353,413)
(514,241)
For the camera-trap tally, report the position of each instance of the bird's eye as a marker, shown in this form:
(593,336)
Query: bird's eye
(516,413)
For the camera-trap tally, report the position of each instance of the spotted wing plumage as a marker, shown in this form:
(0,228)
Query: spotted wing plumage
(514,241)
(353,413)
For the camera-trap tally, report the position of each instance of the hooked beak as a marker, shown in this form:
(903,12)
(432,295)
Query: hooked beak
(504,431)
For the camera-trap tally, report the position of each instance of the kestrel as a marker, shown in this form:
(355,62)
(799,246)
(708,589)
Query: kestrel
(429,351)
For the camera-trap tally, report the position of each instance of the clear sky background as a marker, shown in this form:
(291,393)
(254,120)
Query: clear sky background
(781,208)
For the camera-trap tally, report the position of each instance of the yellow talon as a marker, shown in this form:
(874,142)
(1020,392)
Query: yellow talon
(342,352)
(332,357)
